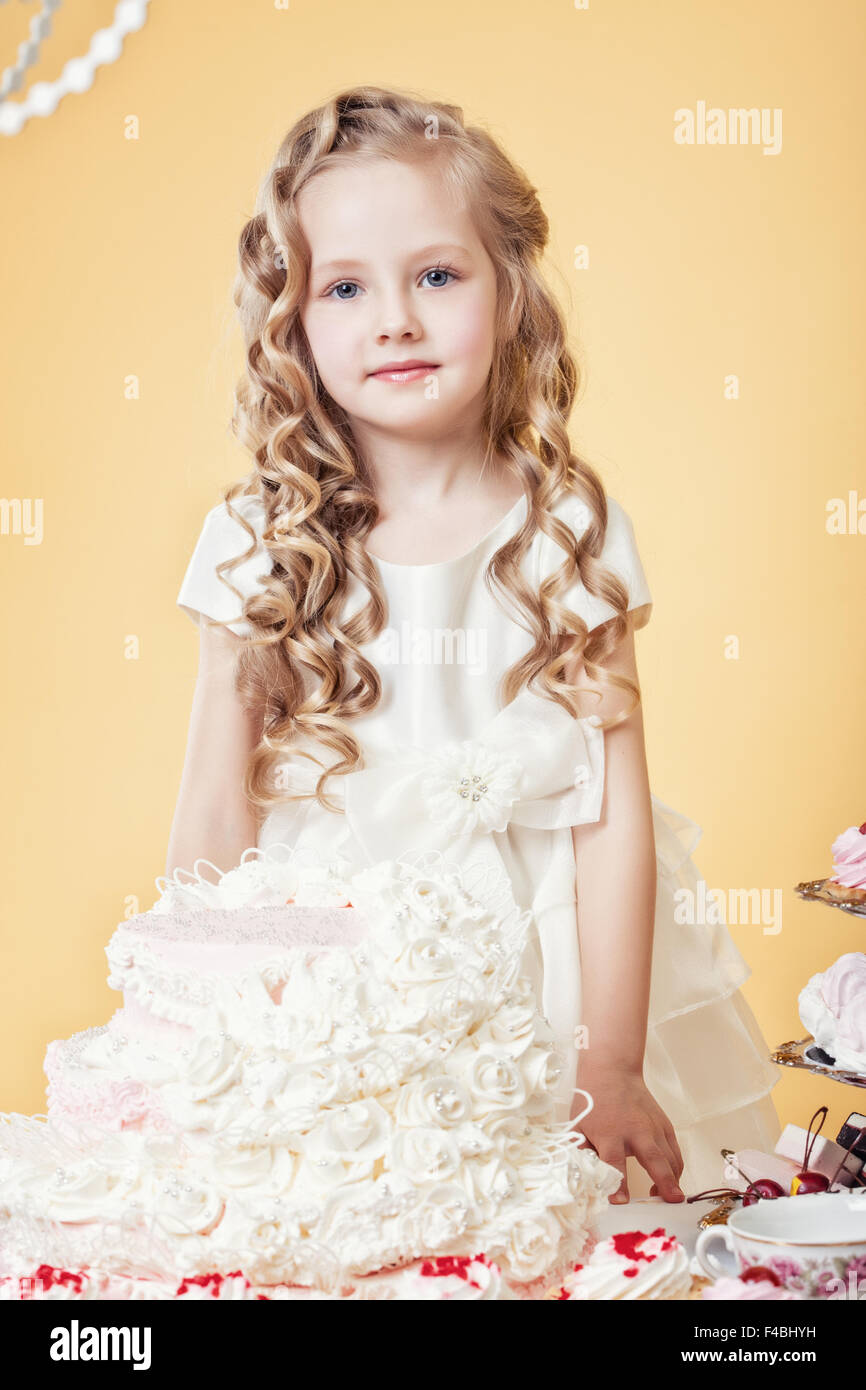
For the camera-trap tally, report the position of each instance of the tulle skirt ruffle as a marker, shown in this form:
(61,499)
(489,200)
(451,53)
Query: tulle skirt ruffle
(706,1061)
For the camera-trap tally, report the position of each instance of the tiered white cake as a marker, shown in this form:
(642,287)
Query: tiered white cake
(313,1078)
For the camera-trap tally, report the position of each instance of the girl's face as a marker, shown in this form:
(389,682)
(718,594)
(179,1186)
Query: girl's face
(398,274)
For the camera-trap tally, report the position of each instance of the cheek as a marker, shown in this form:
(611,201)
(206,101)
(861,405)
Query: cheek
(332,342)
(471,327)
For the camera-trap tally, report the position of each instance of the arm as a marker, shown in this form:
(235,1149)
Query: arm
(615,886)
(212,818)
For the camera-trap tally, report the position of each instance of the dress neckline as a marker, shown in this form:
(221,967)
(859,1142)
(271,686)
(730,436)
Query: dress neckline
(444,564)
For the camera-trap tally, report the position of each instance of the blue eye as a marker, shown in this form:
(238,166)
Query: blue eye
(440,270)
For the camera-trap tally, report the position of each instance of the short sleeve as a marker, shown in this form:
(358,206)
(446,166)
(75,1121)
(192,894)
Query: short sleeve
(203,591)
(619,553)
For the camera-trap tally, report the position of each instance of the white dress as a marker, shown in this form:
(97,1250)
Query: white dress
(440,657)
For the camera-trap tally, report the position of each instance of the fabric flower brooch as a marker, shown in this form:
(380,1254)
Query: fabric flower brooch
(471,785)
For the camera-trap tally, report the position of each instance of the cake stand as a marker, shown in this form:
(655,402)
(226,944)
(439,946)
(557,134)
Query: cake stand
(804,1053)
(815,891)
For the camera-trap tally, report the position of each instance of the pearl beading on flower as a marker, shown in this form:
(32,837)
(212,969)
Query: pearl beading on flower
(472,786)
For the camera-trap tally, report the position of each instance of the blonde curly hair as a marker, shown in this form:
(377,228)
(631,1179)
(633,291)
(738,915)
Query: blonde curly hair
(311,479)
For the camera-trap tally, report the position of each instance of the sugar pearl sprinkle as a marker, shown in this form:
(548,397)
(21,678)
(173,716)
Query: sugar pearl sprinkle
(472,786)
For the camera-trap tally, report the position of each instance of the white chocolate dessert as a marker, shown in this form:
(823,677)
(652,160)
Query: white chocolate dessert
(303,1095)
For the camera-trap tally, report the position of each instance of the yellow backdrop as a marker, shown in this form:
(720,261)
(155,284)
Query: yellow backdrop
(718,307)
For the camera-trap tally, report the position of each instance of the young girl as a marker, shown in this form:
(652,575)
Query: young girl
(422,609)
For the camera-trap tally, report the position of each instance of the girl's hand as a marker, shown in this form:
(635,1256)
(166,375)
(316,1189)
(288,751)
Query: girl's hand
(624,1120)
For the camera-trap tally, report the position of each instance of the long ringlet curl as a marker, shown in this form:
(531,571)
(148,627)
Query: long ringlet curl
(302,667)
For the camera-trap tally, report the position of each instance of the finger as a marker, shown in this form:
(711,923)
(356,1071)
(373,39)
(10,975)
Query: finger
(665,1136)
(654,1191)
(615,1155)
(655,1160)
(667,1141)
(680,1163)
(672,1144)
(675,1158)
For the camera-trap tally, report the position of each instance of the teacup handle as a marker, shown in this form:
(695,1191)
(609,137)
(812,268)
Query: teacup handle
(707,1261)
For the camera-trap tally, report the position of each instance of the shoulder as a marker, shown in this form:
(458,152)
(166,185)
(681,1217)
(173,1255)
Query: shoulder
(220,522)
(619,552)
(619,537)
(224,538)
(225,535)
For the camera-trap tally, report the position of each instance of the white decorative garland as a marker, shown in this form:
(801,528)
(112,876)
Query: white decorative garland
(78,73)
(28,52)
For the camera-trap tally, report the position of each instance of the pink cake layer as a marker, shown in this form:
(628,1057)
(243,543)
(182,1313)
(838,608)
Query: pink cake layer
(208,941)
(224,940)
(78,1097)
(135,1021)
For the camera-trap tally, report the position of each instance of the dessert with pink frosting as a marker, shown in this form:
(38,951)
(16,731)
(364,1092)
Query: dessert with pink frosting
(630,1265)
(756,1285)
(315,1087)
(848,881)
(833,1008)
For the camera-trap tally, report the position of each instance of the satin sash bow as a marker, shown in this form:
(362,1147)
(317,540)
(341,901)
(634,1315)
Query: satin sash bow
(535,765)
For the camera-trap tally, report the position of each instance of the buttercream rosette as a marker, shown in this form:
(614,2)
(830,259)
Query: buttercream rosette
(631,1265)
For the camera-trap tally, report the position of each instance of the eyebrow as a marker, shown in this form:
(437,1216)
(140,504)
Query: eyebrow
(438,248)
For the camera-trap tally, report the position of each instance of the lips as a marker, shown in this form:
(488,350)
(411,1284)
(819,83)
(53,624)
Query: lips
(410,365)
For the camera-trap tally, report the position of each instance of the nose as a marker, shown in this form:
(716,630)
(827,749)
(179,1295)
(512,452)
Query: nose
(398,318)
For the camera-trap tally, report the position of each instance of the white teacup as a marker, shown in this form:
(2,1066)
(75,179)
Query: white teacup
(799,1238)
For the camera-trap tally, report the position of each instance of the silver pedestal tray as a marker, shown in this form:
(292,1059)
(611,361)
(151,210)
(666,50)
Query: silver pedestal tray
(814,890)
(794,1054)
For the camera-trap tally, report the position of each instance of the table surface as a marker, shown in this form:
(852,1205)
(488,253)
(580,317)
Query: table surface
(679,1219)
